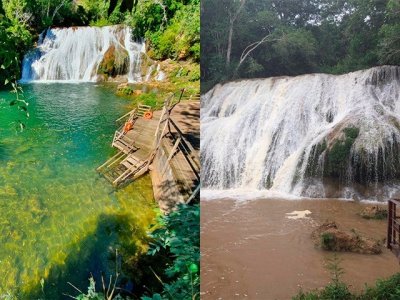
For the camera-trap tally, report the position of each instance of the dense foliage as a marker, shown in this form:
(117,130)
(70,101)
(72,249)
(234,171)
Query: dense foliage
(384,289)
(179,235)
(261,38)
(171,27)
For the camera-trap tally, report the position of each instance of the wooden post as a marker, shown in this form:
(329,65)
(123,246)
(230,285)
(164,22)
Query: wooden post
(115,157)
(390,222)
(195,192)
(171,155)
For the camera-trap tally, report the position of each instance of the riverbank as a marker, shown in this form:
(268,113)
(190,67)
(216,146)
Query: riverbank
(178,75)
(251,250)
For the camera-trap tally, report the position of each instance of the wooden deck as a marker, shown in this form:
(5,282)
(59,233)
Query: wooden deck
(161,146)
(176,167)
(136,146)
(140,139)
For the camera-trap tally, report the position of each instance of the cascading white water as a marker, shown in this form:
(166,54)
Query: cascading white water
(314,135)
(76,53)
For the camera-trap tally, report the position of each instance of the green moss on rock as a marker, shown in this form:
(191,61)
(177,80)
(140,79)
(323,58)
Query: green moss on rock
(115,62)
(338,155)
(312,165)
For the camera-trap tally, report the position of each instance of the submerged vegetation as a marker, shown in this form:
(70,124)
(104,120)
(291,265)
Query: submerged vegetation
(175,247)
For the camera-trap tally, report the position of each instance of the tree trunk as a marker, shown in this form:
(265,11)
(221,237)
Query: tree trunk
(229,50)
(232,19)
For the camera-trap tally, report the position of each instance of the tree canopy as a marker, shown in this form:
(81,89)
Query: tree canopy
(262,38)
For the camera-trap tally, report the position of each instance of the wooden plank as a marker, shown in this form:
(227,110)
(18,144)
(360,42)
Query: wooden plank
(193,195)
(111,160)
(141,145)
(129,172)
(171,155)
(125,115)
(126,148)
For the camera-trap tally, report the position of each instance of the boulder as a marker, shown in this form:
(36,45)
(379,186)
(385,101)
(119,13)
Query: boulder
(115,62)
(374,212)
(329,237)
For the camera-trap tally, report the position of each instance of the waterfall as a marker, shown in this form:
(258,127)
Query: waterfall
(314,135)
(84,54)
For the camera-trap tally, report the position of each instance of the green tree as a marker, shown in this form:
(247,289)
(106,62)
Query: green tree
(389,43)
(273,38)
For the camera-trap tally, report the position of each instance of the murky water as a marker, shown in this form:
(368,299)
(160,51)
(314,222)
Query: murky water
(251,250)
(59,220)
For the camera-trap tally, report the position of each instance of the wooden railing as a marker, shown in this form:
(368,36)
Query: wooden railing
(393,232)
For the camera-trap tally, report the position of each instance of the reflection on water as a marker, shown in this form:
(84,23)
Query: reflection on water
(59,220)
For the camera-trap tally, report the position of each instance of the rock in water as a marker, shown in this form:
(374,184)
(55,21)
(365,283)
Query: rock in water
(115,62)
(374,212)
(329,237)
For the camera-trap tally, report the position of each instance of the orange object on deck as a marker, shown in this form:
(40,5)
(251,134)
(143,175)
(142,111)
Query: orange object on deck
(128,126)
(148,115)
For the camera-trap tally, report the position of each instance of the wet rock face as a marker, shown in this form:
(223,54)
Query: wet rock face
(84,54)
(382,76)
(339,158)
(115,62)
(329,237)
(294,134)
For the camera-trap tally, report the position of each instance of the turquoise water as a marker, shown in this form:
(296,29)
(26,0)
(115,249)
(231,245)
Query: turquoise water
(59,220)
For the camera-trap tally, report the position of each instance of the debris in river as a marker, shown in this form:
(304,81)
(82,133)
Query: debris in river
(298,214)
(329,237)
(374,212)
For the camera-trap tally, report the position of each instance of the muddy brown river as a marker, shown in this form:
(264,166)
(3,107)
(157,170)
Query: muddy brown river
(251,250)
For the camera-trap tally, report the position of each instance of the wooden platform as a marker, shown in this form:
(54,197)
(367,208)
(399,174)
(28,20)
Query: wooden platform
(136,146)
(140,139)
(159,145)
(176,167)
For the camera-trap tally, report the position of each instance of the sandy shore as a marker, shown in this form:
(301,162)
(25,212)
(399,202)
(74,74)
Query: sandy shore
(251,250)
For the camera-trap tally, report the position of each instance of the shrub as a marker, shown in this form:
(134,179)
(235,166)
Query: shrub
(180,235)
(327,241)
(384,289)
(149,99)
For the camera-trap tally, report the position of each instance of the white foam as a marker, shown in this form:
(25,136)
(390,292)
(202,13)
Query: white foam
(259,135)
(74,54)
